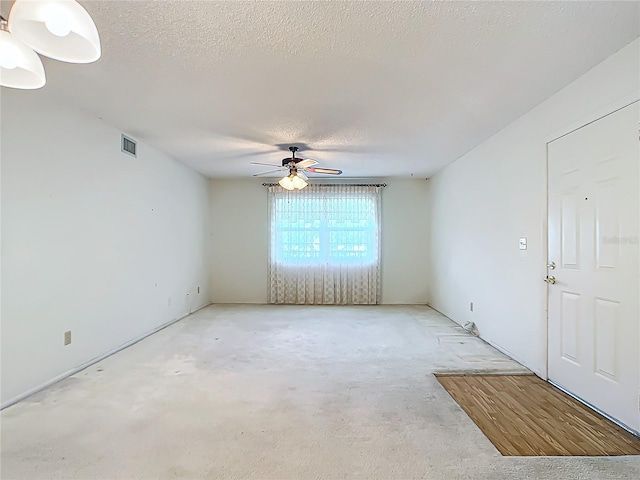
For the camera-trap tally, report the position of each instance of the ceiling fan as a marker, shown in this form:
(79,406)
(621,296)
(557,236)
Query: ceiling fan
(296,179)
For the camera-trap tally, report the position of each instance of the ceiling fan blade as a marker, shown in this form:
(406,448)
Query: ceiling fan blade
(307,162)
(267,173)
(302,175)
(267,164)
(329,171)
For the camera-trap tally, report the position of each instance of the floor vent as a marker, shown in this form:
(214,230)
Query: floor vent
(129,145)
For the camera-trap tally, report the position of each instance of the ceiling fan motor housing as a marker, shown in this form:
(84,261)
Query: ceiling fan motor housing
(287,161)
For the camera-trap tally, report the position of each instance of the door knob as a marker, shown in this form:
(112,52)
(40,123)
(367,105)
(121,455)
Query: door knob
(551,265)
(550,279)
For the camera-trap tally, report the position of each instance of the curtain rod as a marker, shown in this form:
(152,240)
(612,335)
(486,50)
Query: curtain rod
(335,185)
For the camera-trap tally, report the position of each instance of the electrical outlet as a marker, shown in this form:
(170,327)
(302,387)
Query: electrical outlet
(67,337)
(471,307)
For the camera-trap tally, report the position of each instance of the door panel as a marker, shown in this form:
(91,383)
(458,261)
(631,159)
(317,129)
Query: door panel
(607,224)
(594,337)
(569,230)
(569,319)
(607,323)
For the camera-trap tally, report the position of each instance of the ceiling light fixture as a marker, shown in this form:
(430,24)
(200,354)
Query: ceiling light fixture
(20,67)
(293,181)
(59,29)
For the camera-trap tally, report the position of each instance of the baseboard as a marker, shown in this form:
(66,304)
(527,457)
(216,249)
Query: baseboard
(97,359)
(497,347)
(480,373)
(510,355)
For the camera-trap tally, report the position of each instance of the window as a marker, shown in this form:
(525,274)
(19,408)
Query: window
(325,245)
(324,229)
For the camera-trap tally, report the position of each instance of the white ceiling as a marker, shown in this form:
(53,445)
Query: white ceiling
(372,88)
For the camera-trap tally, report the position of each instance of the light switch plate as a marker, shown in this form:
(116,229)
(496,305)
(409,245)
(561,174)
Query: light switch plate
(523,243)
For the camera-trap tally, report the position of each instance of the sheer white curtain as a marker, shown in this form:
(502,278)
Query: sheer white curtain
(325,245)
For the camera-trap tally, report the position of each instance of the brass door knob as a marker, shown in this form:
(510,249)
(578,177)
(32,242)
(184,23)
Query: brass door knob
(550,279)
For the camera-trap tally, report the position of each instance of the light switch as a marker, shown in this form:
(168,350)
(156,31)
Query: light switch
(523,243)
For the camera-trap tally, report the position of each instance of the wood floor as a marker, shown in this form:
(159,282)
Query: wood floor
(524,415)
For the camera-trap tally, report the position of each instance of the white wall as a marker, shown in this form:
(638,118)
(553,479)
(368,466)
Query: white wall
(240,237)
(482,203)
(405,237)
(93,241)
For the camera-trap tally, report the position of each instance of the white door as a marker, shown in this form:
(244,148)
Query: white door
(594,337)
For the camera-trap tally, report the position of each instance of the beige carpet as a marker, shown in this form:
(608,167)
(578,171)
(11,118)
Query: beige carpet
(277,392)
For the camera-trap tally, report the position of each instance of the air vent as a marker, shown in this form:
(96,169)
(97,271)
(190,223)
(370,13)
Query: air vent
(129,145)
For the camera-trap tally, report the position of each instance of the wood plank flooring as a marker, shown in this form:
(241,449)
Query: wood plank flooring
(524,415)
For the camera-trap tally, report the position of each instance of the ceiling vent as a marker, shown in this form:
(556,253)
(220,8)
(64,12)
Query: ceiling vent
(129,145)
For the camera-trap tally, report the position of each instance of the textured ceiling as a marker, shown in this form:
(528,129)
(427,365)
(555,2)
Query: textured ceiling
(373,88)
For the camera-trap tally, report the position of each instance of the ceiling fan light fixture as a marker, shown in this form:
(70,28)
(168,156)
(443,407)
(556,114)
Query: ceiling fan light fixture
(287,183)
(292,182)
(59,29)
(298,182)
(20,66)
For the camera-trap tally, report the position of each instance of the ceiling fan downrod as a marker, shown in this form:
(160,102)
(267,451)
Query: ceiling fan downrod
(293,159)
